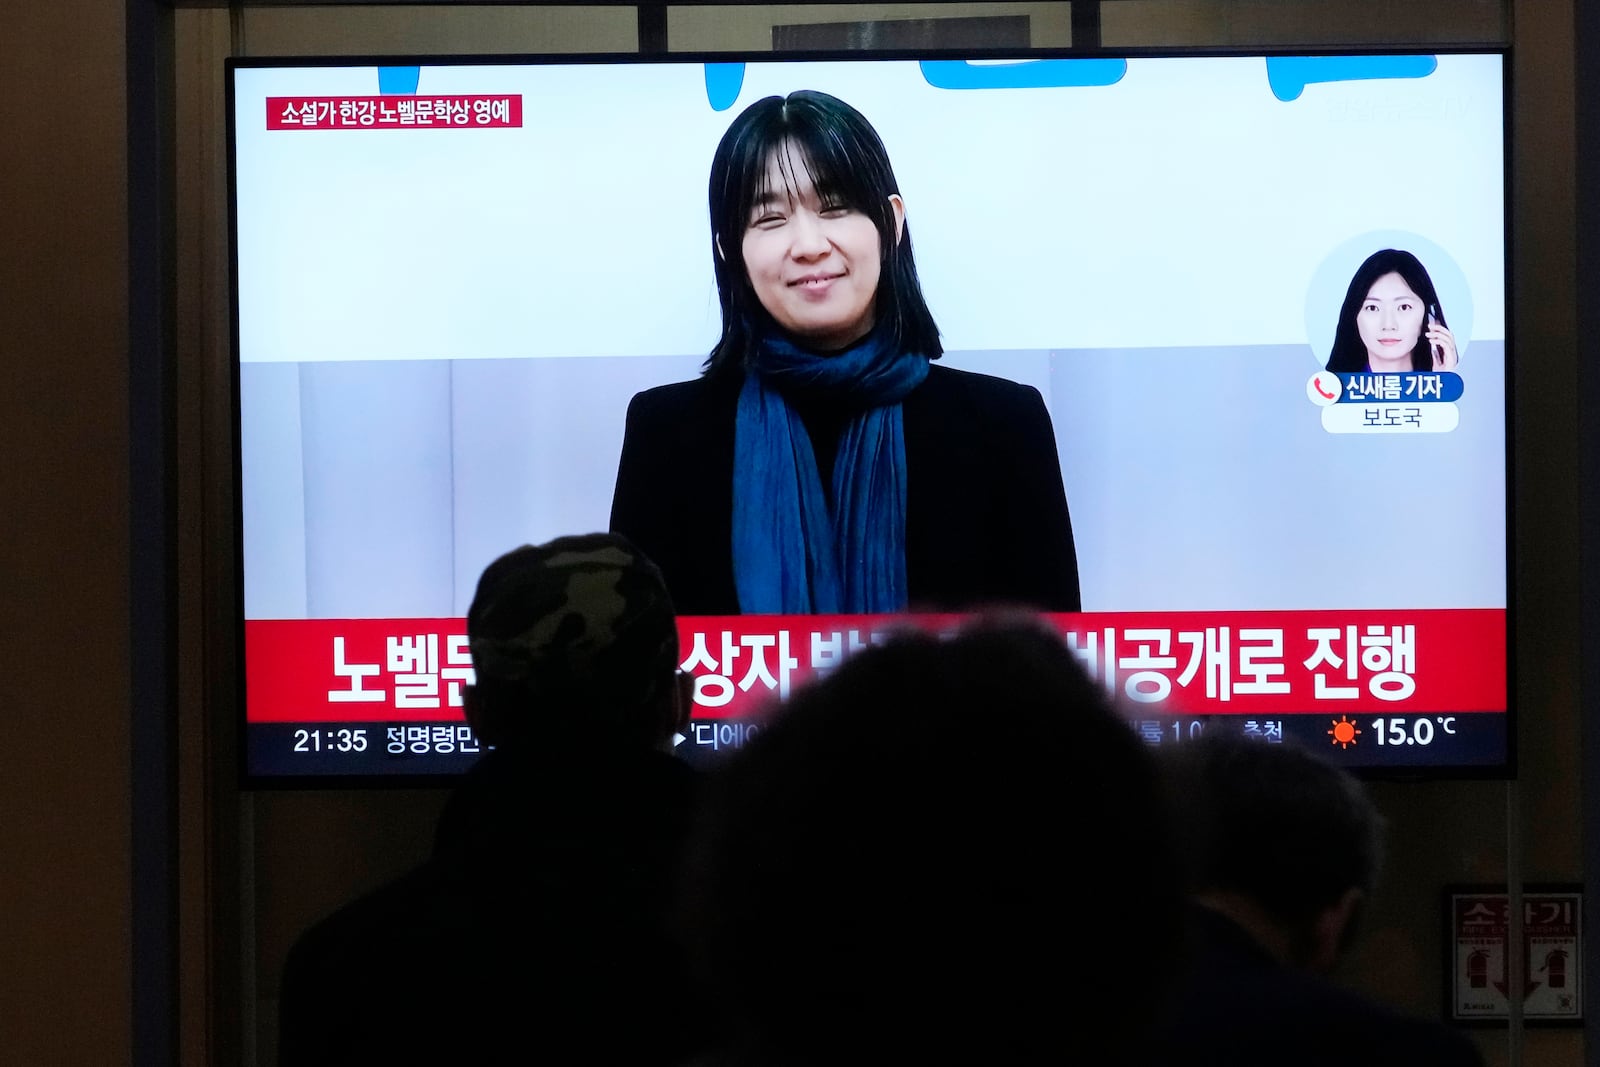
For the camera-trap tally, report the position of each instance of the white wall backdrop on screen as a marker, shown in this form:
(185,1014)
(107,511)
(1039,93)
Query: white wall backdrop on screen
(1183,205)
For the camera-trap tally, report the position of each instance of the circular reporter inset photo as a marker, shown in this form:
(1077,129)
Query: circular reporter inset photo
(1388,302)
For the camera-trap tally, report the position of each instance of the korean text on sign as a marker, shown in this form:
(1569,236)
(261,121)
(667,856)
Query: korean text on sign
(394,112)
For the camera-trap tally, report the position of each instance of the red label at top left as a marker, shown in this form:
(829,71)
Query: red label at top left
(394,112)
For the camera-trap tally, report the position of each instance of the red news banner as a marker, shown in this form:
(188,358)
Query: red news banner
(1186,663)
(394,111)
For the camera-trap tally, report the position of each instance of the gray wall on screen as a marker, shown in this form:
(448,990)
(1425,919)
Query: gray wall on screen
(1265,509)
(383,489)
(379,514)
(536,446)
(272,481)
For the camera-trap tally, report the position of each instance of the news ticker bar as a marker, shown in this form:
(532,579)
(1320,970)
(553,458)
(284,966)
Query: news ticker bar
(1247,663)
(316,749)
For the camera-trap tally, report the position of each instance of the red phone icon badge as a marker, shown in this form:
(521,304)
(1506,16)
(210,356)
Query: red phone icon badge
(1324,388)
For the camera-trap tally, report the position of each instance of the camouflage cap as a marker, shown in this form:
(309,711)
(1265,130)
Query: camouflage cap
(579,621)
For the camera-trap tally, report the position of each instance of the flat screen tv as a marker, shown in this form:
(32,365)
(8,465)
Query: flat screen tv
(1222,387)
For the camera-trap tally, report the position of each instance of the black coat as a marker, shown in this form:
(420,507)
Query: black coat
(1239,1007)
(986,514)
(536,933)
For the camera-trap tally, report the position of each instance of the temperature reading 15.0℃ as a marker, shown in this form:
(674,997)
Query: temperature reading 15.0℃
(1418,731)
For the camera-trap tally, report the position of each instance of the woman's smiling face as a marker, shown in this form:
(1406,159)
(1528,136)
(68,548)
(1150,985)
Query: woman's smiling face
(813,263)
(1390,319)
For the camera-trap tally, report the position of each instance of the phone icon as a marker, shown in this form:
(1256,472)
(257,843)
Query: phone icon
(1324,389)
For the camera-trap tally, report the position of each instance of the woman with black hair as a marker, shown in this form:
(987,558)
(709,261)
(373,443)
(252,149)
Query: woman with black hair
(1391,321)
(821,464)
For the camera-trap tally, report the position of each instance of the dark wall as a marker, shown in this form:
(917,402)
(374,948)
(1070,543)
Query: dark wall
(64,572)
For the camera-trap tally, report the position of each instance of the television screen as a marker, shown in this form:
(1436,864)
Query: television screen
(1220,387)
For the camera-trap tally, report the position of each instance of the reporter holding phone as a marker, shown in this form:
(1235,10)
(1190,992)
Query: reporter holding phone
(1391,321)
(822,463)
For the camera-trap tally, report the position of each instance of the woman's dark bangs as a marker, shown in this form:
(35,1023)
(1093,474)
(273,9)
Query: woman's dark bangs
(819,146)
(834,171)
(749,171)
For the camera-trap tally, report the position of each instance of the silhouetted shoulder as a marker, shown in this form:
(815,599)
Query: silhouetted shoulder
(1237,1006)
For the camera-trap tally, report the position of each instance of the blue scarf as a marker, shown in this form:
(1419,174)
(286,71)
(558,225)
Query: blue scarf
(790,554)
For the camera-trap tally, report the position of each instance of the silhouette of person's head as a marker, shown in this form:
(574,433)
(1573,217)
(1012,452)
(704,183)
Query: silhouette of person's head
(1277,839)
(575,638)
(948,850)
(539,923)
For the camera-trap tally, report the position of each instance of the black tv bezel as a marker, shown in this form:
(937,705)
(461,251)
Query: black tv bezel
(1503,771)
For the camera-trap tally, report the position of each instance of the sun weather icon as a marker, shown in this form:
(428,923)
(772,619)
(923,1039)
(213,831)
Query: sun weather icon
(1344,732)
